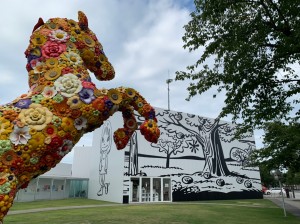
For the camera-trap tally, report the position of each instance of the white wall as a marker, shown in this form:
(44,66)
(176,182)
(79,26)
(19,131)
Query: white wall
(60,170)
(86,164)
(204,163)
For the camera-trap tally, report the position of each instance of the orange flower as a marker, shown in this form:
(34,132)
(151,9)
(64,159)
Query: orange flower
(10,115)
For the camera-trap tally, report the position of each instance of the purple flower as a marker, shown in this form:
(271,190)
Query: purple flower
(86,95)
(109,104)
(23,103)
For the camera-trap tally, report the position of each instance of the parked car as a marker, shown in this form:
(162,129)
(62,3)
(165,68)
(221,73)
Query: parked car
(263,189)
(275,191)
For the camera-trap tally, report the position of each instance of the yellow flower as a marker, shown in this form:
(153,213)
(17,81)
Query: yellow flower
(5,128)
(37,140)
(36,116)
(130,92)
(52,62)
(115,96)
(67,124)
(53,73)
(88,40)
(38,39)
(74,102)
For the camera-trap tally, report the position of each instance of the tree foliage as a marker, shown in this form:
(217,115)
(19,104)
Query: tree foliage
(250,48)
(282,147)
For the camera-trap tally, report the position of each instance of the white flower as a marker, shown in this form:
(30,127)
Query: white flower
(49,92)
(20,135)
(59,36)
(68,85)
(72,58)
(80,123)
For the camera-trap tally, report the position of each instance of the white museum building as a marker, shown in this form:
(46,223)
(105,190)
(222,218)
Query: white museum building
(195,158)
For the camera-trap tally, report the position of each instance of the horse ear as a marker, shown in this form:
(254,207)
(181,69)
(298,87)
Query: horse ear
(83,21)
(39,23)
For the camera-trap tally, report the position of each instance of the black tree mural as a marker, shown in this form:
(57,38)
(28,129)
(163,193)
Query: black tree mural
(200,130)
(133,166)
(170,145)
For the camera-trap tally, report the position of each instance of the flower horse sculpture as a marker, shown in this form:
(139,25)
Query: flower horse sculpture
(39,128)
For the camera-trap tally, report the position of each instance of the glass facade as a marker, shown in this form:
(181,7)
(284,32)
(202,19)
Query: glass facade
(53,188)
(150,189)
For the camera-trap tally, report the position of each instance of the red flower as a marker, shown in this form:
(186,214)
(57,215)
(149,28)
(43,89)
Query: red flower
(55,143)
(88,85)
(53,50)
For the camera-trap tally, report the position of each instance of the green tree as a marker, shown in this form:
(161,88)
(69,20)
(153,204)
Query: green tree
(281,147)
(248,49)
(267,179)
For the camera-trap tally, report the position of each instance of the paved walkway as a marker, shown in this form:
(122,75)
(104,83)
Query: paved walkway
(291,205)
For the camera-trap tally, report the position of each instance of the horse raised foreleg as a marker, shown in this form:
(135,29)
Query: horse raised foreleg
(122,135)
(130,99)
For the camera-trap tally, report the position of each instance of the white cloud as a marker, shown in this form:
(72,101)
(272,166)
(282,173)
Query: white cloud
(143,40)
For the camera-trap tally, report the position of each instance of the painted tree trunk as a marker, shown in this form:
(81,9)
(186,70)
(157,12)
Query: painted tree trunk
(213,153)
(133,167)
(168,160)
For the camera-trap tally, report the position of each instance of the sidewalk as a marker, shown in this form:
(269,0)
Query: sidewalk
(292,205)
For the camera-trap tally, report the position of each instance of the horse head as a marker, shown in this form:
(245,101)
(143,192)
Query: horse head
(57,37)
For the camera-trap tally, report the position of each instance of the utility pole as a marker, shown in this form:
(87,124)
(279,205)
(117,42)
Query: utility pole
(168,81)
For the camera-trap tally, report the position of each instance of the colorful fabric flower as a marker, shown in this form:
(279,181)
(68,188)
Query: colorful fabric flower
(37,98)
(20,135)
(58,98)
(5,145)
(115,96)
(23,103)
(37,140)
(49,92)
(80,123)
(72,58)
(74,102)
(67,124)
(59,36)
(53,49)
(99,104)
(86,95)
(68,85)
(36,116)
(66,147)
(38,39)
(5,128)
(56,121)
(88,85)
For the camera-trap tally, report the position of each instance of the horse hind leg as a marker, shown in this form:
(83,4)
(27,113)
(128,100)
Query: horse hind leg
(8,190)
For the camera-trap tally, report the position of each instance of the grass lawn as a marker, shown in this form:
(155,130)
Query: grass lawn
(211,212)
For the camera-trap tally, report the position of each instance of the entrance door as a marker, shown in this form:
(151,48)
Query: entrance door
(150,189)
(167,189)
(156,189)
(135,189)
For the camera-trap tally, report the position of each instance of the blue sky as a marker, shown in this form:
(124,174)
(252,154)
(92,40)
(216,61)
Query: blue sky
(142,39)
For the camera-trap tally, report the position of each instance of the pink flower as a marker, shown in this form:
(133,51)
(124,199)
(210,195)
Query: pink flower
(53,50)
(49,92)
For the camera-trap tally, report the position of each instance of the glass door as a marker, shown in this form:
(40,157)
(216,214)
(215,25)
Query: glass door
(135,193)
(167,189)
(145,189)
(156,195)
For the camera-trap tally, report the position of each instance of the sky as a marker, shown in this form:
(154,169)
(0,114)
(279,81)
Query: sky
(141,38)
